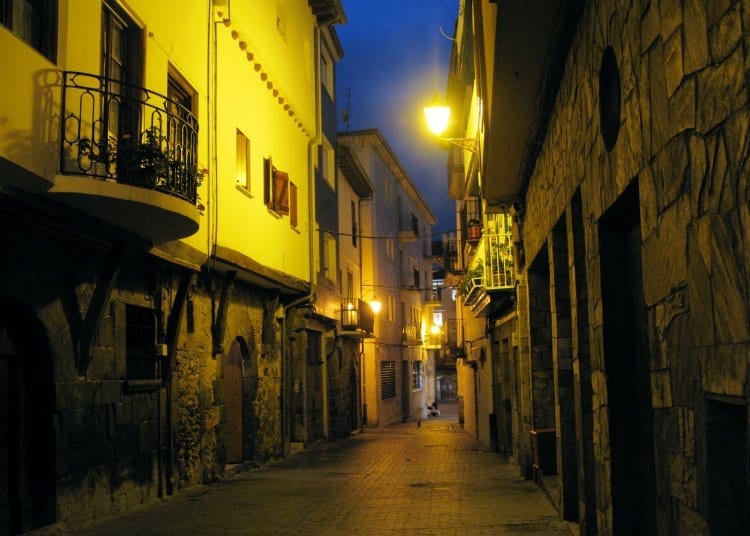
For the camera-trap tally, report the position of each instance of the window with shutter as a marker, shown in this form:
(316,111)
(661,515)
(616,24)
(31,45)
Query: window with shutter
(267,183)
(293,204)
(281,192)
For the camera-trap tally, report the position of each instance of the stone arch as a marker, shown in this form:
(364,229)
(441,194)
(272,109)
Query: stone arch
(241,384)
(27,405)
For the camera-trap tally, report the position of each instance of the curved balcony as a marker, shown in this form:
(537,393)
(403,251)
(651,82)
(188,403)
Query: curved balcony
(128,156)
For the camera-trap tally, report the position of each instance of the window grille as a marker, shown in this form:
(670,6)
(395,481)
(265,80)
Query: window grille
(387,379)
(416,375)
(140,343)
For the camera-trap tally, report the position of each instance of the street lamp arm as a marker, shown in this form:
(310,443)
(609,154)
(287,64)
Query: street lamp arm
(467,144)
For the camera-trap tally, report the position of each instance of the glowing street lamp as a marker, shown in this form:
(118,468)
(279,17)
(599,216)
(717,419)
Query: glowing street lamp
(375,305)
(438,117)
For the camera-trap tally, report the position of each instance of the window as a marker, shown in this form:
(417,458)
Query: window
(121,62)
(293,204)
(354,223)
(387,379)
(276,194)
(416,375)
(180,137)
(328,164)
(349,290)
(242,169)
(34,21)
(388,187)
(391,309)
(330,268)
(326,71)
(140,343)
(389,248)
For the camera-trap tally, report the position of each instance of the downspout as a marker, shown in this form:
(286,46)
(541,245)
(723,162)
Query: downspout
(362,354)
(312,147)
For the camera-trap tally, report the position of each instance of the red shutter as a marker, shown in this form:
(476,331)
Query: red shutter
(281,192)
(268,173)
(293,204)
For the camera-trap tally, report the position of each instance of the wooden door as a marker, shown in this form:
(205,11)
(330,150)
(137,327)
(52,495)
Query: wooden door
(233,386)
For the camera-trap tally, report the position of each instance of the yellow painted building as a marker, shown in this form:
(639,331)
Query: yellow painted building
(157,170)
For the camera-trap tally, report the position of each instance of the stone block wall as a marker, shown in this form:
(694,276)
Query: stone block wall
(683,139)
(343,386)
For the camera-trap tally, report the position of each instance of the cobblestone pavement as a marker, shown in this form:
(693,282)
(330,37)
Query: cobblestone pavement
(403,479)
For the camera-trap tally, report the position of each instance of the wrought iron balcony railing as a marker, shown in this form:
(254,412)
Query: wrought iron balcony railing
(454,333)
(433,295)
(410,335)
(492,270)
(117,131)
(452,256)
(357,317)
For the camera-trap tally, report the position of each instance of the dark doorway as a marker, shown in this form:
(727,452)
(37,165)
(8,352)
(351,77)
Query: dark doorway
(542,369)
(27,440)
(314,390)
(562,351)
(627,364)
(582,369)
(727,451)
(233,387)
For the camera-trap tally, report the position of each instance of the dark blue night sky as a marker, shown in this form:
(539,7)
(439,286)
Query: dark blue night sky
(396,57)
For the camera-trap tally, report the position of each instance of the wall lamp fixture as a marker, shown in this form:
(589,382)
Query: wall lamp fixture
(438,116)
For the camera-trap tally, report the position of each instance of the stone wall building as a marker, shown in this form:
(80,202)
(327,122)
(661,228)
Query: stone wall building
(157,172)
(616,134)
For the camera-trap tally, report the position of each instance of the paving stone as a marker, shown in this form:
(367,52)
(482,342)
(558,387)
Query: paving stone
(401,479)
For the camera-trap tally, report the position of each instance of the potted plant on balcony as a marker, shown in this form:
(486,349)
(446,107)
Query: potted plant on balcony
(148,159)
(471,279)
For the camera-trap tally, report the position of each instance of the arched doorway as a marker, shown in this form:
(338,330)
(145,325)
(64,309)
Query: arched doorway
(241,386)
(27,440)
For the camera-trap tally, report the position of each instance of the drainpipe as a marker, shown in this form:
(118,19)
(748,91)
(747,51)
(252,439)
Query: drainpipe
(286,357)
(362,410)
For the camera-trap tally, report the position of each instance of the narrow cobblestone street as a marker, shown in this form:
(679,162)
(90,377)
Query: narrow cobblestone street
(401,479)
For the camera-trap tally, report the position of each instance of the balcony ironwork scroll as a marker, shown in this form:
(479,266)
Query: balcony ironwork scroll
(117,131)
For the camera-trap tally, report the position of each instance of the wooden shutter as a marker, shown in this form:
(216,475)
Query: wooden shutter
(293,204)
(281,192)
(267,181)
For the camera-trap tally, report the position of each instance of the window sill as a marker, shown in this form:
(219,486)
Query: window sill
(244,191)
(273,213)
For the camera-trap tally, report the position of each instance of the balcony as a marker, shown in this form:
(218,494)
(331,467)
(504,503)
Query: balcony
(433,296)
(128,156)
(357,319)
(454,334)
(410,335)
(492,273)
(408,230)
(452,256)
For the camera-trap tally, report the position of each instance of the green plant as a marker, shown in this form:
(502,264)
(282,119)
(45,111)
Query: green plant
(466,282)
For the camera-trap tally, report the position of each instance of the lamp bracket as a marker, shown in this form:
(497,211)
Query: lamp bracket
(467,144)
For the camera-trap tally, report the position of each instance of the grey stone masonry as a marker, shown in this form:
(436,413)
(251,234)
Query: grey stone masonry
(683,151)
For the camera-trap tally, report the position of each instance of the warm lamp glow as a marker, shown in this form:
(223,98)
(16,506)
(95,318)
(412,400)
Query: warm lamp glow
(437,117)
(435,329)
(375,305)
